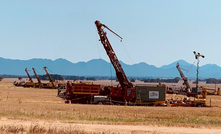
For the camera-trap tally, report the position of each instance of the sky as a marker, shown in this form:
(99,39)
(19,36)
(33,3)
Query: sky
(156,32)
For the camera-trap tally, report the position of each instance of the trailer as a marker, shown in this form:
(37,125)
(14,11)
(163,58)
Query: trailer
(81,92)
(150,96)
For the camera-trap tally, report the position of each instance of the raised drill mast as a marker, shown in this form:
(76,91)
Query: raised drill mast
(51,80)
(127,89)
(37,77)
(186,83)
(30,79)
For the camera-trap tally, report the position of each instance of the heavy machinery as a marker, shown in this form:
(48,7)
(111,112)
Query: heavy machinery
(44,85)
(20,82)
(51,84)
(38,79)
(218,91)
(81,92)
(126,91)
(30,83)
(185,80)
(200,100)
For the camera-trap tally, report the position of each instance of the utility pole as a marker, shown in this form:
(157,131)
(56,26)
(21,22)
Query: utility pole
(197,55)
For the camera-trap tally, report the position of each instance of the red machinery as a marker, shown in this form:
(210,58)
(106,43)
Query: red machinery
(126,91)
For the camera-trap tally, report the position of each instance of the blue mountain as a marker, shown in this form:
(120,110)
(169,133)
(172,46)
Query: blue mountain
(100,67)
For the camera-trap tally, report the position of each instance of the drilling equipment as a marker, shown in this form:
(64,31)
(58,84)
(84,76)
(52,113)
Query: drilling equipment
(30,83)
(126,90)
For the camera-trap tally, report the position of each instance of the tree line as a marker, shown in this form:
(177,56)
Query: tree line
(70,77)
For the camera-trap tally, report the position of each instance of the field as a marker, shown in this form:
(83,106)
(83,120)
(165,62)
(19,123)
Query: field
(29,110)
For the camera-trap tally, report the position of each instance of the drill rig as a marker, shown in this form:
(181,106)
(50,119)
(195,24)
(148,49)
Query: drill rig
(51,84)
(186,83)
(39,84)
(126,90)
(30,83)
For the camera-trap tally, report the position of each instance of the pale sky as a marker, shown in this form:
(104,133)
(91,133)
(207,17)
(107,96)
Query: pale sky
(156,32)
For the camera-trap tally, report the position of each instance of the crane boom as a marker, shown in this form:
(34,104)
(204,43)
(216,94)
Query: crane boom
(51,80)
(30,79)
(187,88)
(39,80)
(121,76)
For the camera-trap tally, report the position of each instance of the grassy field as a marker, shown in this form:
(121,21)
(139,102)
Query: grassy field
(29,104)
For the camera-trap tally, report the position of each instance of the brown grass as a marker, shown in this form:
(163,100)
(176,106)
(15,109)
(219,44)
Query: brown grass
(29,104)
(40,129)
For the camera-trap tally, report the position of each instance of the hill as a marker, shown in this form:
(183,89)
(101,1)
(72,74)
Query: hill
(100,67)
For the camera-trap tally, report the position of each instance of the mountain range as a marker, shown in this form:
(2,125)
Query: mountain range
(100,67)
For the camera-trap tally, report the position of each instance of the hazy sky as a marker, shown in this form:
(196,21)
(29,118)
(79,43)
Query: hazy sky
(157,32)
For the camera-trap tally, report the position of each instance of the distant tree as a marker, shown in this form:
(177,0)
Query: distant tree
(90,78)
(132,80)
(213,80)
(158,80)
(53,76)
(19,78)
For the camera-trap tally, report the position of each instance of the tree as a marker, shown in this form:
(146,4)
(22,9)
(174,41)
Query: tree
(132,80)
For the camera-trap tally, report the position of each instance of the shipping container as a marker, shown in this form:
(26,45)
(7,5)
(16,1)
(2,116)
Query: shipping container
(149,95)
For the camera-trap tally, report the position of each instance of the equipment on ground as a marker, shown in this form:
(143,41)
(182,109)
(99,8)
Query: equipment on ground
(186,83)
(30,83)
(20,82)
(80,92)
(149,95)
(218,91)
(126,90)
(124,94)
(197,74)
(37,77)
(51,80)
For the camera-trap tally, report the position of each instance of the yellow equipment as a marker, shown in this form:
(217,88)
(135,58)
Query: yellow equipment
(218,92)
(30,83)
(200,101)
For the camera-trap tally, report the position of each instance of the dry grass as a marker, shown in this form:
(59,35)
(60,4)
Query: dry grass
(29,104)
(40,129)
